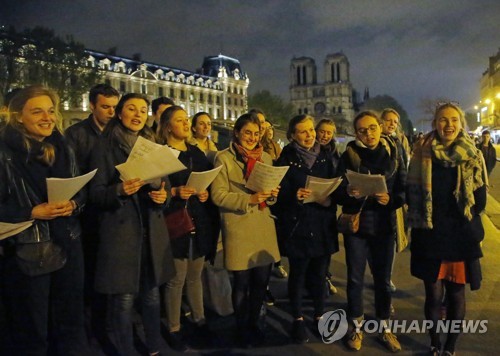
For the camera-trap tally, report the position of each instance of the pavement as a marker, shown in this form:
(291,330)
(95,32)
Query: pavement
(408,301)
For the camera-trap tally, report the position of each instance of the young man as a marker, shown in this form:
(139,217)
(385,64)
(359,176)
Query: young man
(489,152)
(83,137)
(158,106)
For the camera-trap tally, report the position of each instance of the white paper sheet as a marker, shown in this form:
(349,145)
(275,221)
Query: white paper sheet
(151,165)
(8,229)
(62,189)
(367,184)
(321,188)
(264,177)
(143,146)
(201,180)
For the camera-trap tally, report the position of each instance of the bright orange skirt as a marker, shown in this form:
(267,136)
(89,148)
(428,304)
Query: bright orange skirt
(452,271)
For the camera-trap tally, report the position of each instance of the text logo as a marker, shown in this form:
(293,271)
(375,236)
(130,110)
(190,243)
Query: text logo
(333,326)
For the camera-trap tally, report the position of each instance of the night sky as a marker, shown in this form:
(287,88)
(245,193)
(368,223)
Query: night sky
(410,50)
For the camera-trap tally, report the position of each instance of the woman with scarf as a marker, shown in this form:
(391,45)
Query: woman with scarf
(248,231)
(134,255)
(190,250)
(446,194)
(307,232)
(371,154)
(32,149)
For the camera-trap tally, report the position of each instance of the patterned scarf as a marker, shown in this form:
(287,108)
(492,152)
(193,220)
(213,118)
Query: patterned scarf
(250,158)
(461,154)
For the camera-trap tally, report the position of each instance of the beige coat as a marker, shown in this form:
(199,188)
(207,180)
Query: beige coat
(248,234)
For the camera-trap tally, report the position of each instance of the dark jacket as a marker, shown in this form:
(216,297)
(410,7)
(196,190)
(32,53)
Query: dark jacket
(127,224)
(21,190)
(453,238)
(83,137)
(205,215)
(376,219)
(490,156)
(304,230)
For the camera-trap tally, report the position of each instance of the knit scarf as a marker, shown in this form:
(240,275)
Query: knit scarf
(309,156)
(461,154)
(249,158)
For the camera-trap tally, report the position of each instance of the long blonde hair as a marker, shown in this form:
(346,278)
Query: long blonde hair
(15,110)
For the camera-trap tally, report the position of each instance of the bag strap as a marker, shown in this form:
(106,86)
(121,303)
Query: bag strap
(362,205)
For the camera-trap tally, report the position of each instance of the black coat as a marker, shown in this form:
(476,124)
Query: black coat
(376,219)
(453,237)
(127,224)
(83,137)
(304,230)
(490,156)
(205,215)
(23,187)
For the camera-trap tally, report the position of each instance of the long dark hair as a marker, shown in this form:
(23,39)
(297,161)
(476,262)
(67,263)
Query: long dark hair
(164,120)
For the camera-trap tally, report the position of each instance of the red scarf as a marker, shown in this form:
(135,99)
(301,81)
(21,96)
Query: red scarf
(250,158)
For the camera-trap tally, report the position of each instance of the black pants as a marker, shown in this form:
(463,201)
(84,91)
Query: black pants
(249,291)
(54,299)
(314,269)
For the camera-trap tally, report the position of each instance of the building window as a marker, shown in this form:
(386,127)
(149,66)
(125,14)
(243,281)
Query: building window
(229,113)
(160,91)
(201,96)
(217,100)
(107,81)
(191,97)
(144,89)
(172,92)
(340,109)
(183,96)
(123,86)
(300,111)
(334,110)
(209,98)
(305,111)
(298,75)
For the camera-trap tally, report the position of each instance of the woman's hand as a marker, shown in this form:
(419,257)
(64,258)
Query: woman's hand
(159,196)
(353,192)
(303,193)
(183,192)
(275,191)
(49,211)
(131,186)
(203,196)
(382,198)
(259,197)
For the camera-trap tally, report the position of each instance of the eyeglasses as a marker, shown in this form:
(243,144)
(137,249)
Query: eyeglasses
(365,130)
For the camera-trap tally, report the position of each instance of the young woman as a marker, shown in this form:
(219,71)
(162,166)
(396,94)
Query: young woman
(446,194)
(270,146)
(307,232)
(201,128)
(190,250)
(32,149)
(248,232)
(134,255)
(371,154)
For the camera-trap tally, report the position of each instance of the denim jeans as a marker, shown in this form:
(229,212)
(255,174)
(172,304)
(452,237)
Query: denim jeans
(187,272)
(357,250)
(312,271)
(121,318)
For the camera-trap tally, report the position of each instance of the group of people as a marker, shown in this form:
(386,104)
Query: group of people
(127,255)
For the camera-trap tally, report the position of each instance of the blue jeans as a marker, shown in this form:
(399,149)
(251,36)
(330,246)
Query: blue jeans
(357,250)
(121,318)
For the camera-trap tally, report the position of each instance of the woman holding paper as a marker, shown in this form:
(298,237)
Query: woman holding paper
(190,250)
(248,231)
(371,154)
(307,231)
(32,149)
(446,194)
(134,255)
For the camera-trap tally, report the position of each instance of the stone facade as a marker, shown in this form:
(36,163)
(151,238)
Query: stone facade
(489,107)
(332,98)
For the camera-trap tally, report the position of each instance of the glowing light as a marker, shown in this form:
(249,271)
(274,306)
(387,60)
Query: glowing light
(487,101)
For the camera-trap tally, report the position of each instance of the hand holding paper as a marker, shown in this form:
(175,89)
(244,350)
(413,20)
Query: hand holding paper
(265,178)
(320,188)
(366,184)
(63,189)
